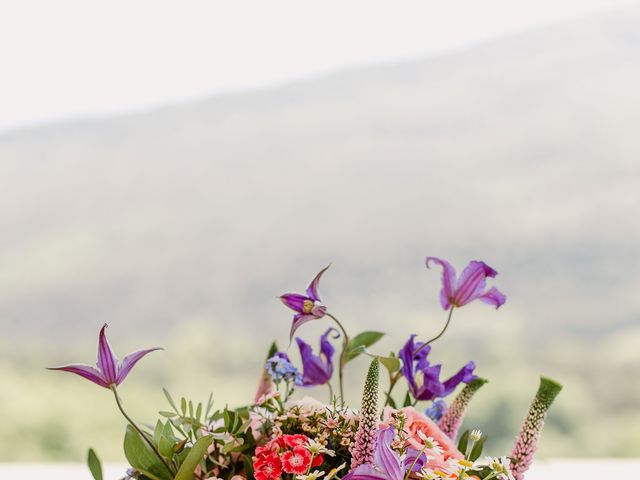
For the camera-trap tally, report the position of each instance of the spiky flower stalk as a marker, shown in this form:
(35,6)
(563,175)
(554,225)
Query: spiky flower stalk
(365,442)
(527,441)
(453,417)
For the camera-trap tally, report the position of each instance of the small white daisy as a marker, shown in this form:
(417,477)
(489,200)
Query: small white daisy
(430,443)
(316,448)
(333,472)
(311,476)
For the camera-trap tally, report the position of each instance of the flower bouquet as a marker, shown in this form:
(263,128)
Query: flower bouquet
(279,437)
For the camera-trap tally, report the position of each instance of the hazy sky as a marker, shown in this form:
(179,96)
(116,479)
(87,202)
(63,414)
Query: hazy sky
(65,58)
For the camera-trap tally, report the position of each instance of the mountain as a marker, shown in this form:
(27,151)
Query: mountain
(521,151)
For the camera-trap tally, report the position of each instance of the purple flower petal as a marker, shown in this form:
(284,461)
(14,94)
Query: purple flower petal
(85,371)
(423,379)
(365,472)
(295,301)
(298,320)
(464,375)
(386,458)
(406,354)
(448,281)
(493,297)
(312,291)
(469,287)
(317,369)
(107,361)
(412,455)
(472,282)
(129,361)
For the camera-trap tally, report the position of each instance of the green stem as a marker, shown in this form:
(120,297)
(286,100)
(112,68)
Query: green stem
(330,392)
(406,476)
(446,325)
(343,355)
(309,468)
(139,430)
(393,380)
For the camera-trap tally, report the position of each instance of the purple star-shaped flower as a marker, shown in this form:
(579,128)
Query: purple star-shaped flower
(316,369)
(423,378)
(108,372)
(469,287)
(308,307)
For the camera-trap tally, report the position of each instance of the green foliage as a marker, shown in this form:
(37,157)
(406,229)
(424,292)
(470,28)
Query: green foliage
(391,363)
(193,458)
(476,451)
(93,462)
(360,342)
(141,457)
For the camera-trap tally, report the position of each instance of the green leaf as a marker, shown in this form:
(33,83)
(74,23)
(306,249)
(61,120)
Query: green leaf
(94,464)
(247,462)
(391,363)
(157,432)
(476,451)
(183,406)
(166,441)
(360,342)
(209,406)
(141,457)
(169,399)
(407,400)
(195,455)
(464,440)
(272,350)
(477,448)
(391,402)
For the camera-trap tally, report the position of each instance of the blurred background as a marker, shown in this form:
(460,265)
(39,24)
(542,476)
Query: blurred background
(171,169)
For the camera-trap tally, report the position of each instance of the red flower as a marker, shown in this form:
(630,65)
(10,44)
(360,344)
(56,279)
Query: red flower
(317,461)
(297,461)
(295,440)
(267,466)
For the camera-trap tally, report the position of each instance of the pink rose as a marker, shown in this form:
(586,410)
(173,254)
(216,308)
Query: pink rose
(418,422)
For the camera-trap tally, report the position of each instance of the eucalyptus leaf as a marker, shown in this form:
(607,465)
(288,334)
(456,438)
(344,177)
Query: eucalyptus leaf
(93,462)
(358,344)
(209,405)
(193,458)
(169,399)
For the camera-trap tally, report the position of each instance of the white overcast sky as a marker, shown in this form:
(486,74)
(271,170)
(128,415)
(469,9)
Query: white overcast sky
(61,59)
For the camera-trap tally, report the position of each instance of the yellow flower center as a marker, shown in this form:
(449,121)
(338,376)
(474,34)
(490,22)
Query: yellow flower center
(307,306)
(465,463)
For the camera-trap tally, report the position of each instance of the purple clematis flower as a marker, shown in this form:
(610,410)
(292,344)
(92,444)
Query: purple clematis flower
(423,378)
(387,463)
(469,287)
(108,372)
(317,369)
(307,306)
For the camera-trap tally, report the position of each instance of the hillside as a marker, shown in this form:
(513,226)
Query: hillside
(522,152)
